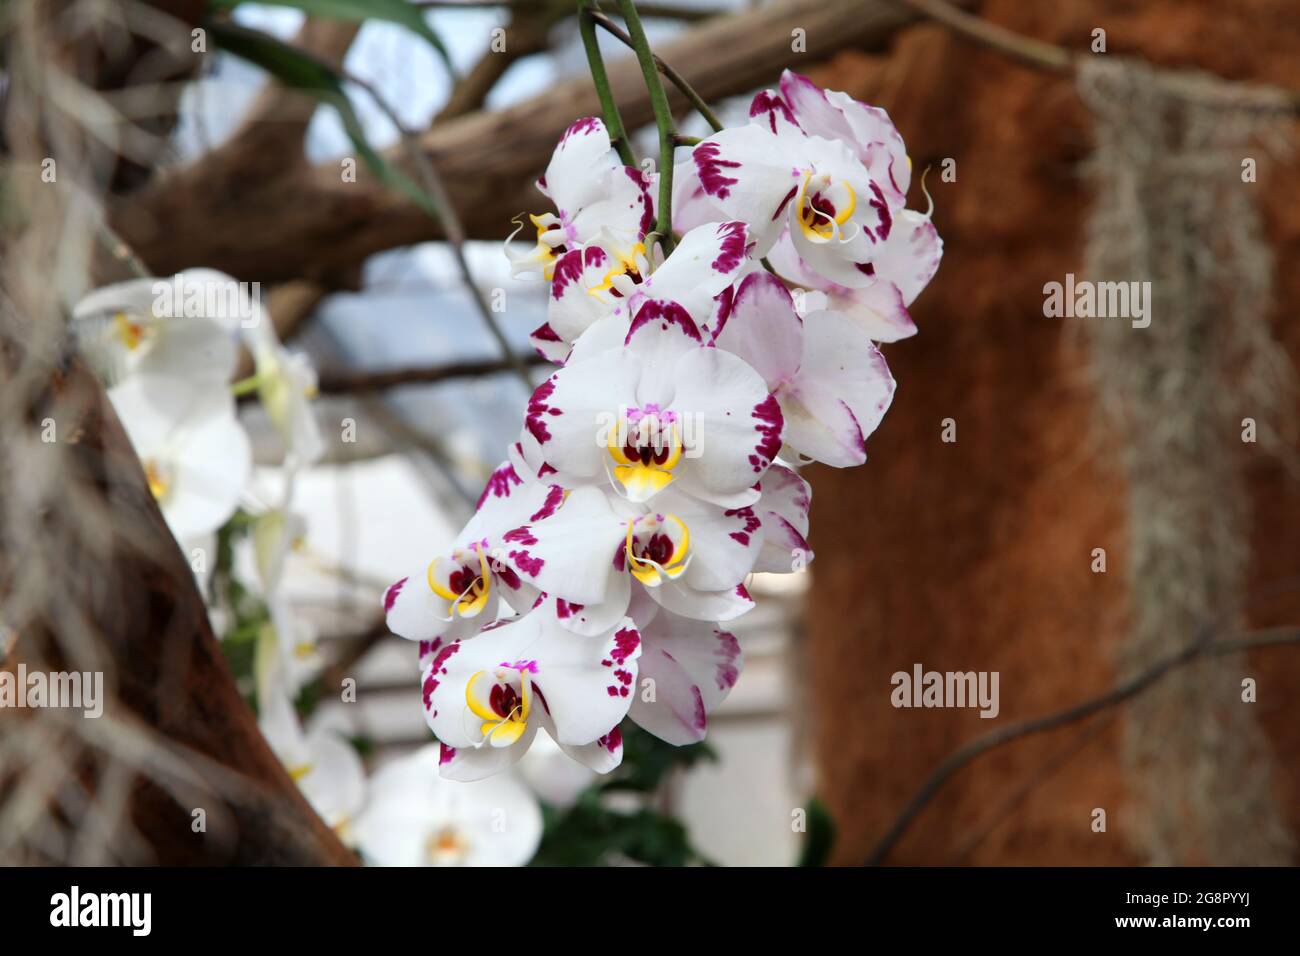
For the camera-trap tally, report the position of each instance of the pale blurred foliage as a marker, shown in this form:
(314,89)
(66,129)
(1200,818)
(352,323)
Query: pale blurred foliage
(1170,209)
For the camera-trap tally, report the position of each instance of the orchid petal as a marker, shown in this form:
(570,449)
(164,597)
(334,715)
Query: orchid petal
(574,174)
(568,412)
(746,172)
(736,426)
(570,554)
(703,605)
(840,394)
(783,509)
(763,328)
(694,665)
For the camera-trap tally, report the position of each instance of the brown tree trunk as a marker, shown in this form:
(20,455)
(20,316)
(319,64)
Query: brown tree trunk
(976,555)
(122,580)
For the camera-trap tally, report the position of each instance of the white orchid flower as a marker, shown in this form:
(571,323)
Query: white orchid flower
(903,265)
(800,105)
(486,698)
(661,410)
(645,487)
(828,176)
(325,766)
(143,326)
(836,213)
(904,259)
(460,591)
(592,192)
(195,453)
(605,285)
(598,552)
(414,817)
(830,379)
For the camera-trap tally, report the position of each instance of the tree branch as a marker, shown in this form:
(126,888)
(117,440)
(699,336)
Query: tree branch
(309,223)
(359,383)
(662,11)
(673,77)
(525,34)
(1057,59)
(274,130)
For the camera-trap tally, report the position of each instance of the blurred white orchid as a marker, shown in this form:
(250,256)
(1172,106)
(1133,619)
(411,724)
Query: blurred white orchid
(552,775)
(287,655)
(276,532)
(325,766)
(151,326)
(286,384)
(195,454)
(416,818)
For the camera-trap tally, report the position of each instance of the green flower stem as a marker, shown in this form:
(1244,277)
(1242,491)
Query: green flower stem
(613,122)
(663,120)
(673,77)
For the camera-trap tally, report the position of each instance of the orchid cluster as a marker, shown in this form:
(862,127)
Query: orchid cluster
(655,468)
(168,350)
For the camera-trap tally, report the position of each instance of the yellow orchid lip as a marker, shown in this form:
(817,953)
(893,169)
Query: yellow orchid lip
(474,598)
(626,265)
(819,225)
(650,572)
(159,486)
(446,845)
(636,465)
(500,730)
(131,333)
(544,252)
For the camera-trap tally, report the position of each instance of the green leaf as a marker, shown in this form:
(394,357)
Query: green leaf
(592,834)
(821,835)
(393,11)
(296,69)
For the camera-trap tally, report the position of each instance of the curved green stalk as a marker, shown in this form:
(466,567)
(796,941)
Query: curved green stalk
(663,121)
(599,78)
(673,77)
